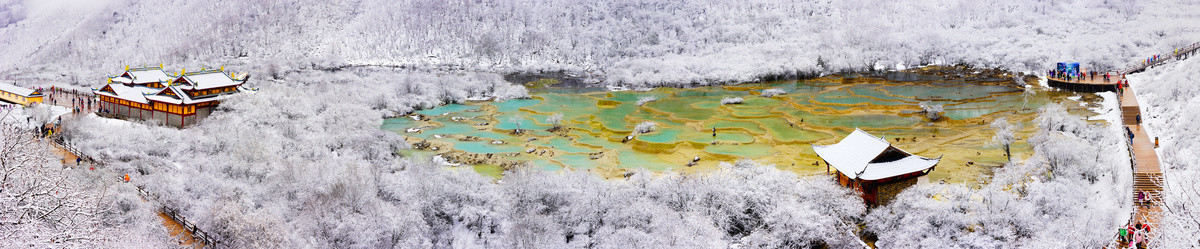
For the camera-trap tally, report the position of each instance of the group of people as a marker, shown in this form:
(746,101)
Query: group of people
(1156,58)
(1129,134)
(1069,76)
(1079,76)
(1134,235)
(79,102)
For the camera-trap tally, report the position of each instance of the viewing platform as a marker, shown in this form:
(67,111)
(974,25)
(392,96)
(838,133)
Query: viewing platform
(1086,84)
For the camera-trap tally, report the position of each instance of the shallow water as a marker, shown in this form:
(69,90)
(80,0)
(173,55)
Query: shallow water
(778,130)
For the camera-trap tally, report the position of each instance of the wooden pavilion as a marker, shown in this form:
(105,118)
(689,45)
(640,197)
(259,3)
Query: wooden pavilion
(873,167)
(176,100)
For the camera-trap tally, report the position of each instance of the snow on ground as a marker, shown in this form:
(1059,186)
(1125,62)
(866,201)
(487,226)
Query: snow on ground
(1109,109)
(1170,97)
(30,116)
(111,121)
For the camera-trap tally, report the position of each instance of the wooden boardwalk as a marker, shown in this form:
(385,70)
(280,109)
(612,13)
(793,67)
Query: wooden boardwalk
(1147,174)
(1179,53)
(1087,84)
(1148,178)
(187,235)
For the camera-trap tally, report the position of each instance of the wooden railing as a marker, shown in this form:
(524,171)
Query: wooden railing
(198,234)
(1162,59)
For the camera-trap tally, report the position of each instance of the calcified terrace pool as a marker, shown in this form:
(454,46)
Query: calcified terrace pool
(777,130)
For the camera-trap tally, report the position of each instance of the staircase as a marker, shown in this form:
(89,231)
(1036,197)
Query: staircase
(1149,183)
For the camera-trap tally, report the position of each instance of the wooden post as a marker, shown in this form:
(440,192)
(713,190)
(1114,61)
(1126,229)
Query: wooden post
(1155,142)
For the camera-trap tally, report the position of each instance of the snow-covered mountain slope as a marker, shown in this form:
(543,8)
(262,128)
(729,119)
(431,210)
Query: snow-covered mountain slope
(656,42)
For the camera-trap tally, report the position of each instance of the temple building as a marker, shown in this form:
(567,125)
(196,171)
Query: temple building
(19,95)
(874,167)
(176,100)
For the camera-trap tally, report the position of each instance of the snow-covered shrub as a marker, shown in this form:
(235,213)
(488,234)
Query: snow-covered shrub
(517,120)
(646,99)
(731,100)
(644,127)
(772,92)
(555,119)
(1005,135)
(932,112)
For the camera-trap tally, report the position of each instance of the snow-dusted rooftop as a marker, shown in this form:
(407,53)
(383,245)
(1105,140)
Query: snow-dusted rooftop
(14,89)
(209,80)
(182,98)
(854,155)
(134,93)
(143,76)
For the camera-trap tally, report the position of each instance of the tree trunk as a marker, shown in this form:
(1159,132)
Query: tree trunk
(1007,152)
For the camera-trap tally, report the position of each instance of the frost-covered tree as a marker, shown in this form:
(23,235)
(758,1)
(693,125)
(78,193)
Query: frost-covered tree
(646,99)
(931,111)
(644,127)
(772,92)
(45,204)
(1027,93)
(555,120)
(1005,135)
(517,120)
(731,100)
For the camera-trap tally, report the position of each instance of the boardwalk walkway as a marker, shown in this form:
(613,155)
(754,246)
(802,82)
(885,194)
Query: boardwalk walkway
(1179,53)
(1147,174)
(187,233)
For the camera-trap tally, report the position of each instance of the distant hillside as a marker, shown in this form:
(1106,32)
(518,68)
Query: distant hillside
(655,42)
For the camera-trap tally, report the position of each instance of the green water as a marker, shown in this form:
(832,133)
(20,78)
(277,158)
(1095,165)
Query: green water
(779,130)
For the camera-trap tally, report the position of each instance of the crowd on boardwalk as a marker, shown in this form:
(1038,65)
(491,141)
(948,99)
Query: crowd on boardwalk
(1078,76)
(1134,235)
(80,102)
(1160,58)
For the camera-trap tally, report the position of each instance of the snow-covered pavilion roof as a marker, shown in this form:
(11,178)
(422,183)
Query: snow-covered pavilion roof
(143,76)
(209,80)
(912,163)
(181,97)
(14,89)
(854,155)
(130,93)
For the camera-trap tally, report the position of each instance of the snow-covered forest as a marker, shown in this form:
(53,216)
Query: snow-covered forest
(302,163)
(654,42)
